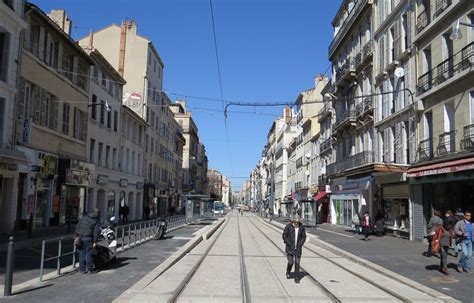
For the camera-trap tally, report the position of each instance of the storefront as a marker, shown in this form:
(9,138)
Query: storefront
(74,179)
(392,203)
(322,200)
(351,198)
(441,186)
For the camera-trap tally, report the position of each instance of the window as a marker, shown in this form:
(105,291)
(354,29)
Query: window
(2,119)
(381,147)
(115,121)
(133,162)
(114,158)
(95,73)
(127,167)
(109,119)
(92,151)
(80,124)
(107,157)
(471,106)
(82,75)
(65,125)
(405,32)
(102,112)
(9,3)
(4,47)
(99,158)
(53,114)
(470,29)
(34,39)
(139,164)
(94,108)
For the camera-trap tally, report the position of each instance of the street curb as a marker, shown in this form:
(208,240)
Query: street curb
(382,270)
(202,234)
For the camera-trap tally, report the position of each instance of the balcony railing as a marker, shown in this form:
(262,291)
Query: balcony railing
(467,142)
(447,143)
(367,50)
(340,72)
(352,162)
(325,145)
(445,70)
(345,116)
(364,106)
(425,150)
(422,20)
(441,6)
(324,111)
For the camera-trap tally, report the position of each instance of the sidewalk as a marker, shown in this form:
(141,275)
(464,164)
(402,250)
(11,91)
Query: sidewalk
(401,256)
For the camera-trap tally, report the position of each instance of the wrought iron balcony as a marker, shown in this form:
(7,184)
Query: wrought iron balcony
(447,143)
(345,116)
(364,107)
(367,50)
(447,69)
(325,111)
(325,145)
(441,6)
(425,150)
(356,161)
(341,71)
(422,20)
(467,141)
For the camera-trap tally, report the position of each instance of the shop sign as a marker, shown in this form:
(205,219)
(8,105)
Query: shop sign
(443,170)
(102,179)
(140,185)
(123,182)
(80,165)
(26,130)
(47,164)
(77,177)
(7,164)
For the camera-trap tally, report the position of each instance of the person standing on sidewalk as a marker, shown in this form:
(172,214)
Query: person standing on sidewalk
(294,237)
(126,211)
(452,220)
(367,225)
(87,233)
(435,222)
(463,230)
(445,231)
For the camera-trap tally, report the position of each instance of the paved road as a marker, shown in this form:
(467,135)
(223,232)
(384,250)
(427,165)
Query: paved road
(106,285)
(245,260)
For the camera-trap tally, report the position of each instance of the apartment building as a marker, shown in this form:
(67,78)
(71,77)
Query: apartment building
(202,181)
(351,54)
(394,116)
(52,121)
(441,177)
(11,25)
(138,62)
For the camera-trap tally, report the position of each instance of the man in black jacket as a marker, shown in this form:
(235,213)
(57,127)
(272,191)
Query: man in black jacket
(87,234)
(294,237)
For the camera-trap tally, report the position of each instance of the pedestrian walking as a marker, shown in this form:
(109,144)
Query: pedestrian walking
(463,230)
(294,237)
(126,211)
(146,211)
(367,225)
(279,212)
(444,233)
(86,236)
(355,222)
(270,213)
(433,224)
(452,220)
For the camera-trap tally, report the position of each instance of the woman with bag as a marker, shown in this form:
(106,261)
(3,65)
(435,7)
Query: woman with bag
(433,224)
(443,235)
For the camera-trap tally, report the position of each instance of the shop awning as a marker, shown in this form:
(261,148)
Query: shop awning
(320,195)
(441,168)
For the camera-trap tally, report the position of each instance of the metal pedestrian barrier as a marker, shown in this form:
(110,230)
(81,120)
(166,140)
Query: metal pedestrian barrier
(127,236)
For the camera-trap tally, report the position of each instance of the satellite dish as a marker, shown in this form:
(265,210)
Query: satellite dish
(399,72)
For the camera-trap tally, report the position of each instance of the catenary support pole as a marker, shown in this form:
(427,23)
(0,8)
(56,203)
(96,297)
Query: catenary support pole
(9,268)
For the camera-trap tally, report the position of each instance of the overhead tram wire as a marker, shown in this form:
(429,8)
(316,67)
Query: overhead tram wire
(220,85)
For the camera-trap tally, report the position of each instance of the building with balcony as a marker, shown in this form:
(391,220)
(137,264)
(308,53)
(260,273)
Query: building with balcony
(52,120)
(394,115)
(442,175)
(352,163)
(13,211)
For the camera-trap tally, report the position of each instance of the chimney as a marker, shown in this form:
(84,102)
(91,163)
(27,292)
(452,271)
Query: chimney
(60,17)
(287,114)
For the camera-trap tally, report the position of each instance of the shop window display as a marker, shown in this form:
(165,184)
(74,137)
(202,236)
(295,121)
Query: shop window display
(396,214)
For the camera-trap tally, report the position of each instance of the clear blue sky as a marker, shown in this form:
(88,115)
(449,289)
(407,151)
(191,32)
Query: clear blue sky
(269,50)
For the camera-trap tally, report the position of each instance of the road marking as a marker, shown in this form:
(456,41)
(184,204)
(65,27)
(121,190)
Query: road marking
(182,238)
(334,232)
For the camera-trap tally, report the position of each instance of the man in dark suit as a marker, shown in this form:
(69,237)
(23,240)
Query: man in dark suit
(294,237)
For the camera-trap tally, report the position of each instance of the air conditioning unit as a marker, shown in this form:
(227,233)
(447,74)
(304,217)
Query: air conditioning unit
(418,106)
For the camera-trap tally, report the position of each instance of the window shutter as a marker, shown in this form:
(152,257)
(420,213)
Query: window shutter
(398,145)
(397,43)
(381,54)
(386,145)
(21,99)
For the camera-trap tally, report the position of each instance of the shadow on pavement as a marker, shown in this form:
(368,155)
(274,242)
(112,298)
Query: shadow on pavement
(32,289)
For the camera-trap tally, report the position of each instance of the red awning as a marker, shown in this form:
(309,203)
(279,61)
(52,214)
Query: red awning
(320,195)
(441,168)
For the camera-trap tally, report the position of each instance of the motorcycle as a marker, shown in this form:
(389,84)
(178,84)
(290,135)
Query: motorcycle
(161,229)
(106,246)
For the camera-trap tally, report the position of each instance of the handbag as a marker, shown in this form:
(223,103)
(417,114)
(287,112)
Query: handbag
(436,241)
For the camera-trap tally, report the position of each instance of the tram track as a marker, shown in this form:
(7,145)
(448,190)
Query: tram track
(383,288)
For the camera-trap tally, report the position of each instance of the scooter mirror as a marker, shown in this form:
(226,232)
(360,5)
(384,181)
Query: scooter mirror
(112,219)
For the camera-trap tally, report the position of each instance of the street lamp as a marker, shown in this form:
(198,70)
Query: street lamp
(456,33)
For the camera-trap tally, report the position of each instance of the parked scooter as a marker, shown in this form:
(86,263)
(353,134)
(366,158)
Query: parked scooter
(105,248)
(161,229)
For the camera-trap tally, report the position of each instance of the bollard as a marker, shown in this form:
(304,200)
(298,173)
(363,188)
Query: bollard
(9,268)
